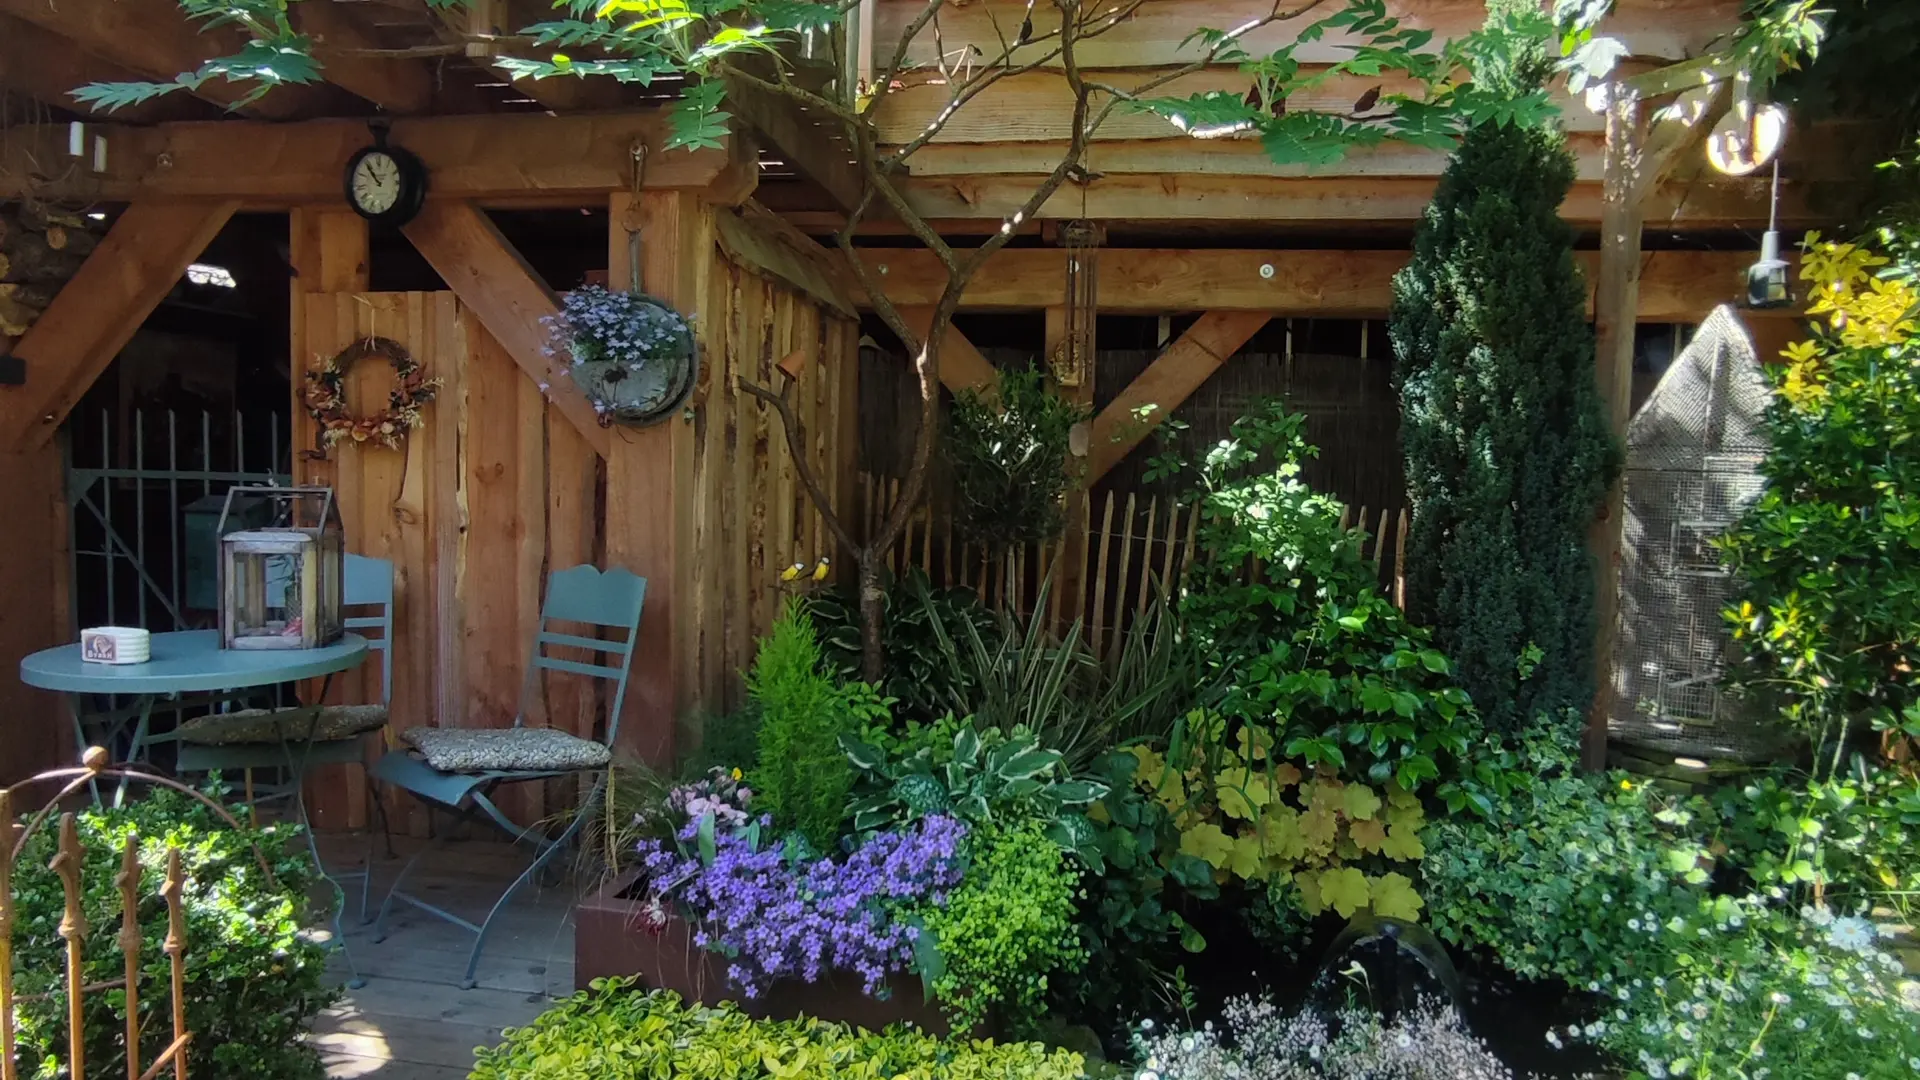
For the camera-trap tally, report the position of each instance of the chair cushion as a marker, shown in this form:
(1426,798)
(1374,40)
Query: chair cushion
(505,749)
(253,726)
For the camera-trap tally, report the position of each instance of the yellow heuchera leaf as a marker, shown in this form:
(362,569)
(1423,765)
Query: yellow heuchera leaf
(1400,798)
(1368,836)
(1317,829)
(1403,842)
(1393,897)
(1152,767)
(1327,795)
(1254,742)
(1409,814)
(1280,833)
(1310,900)
(1248,861)
(1206,841)
(1360,802)
(1344,890)
(1242,793)
(1285,776)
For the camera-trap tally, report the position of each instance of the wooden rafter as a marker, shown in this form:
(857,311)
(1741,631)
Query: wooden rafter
(155,41)
(1676,286)
(476,21)
(141,259)
(1174,375)
(814,145)
(518,159)
(47,68)
(493,281)
(340,43)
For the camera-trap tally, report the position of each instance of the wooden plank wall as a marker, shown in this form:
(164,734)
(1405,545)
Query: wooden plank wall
(468,510)
(751,516)
(496,490)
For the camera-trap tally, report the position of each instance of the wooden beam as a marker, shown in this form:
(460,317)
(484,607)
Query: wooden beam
(758,239)
(1159,33)
(816,146)
(157,41)
(491,278)
(1678,286)
(1168,382)
(569,160)
(961,365)
(1715,202)
(340,43)
(141,259)
(1038,106)
(1204,157)
(47,68)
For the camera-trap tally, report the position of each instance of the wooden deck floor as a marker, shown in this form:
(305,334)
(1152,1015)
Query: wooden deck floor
(412,1021)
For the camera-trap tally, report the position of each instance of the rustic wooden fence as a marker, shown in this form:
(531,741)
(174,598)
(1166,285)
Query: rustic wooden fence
(1134,544)
(67,864)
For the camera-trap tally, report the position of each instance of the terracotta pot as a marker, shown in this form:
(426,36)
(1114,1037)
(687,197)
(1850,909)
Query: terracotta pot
(610,939)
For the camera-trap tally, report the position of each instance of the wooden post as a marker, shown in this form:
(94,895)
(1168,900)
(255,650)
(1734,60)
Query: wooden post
(329,252)
(649,470)
(1616,304)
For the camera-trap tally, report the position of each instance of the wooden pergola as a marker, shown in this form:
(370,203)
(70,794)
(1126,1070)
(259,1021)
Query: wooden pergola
(174,171)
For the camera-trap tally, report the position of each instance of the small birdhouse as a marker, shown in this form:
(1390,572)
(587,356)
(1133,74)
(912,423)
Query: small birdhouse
(280,583)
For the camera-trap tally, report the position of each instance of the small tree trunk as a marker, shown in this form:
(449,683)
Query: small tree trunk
(872,614)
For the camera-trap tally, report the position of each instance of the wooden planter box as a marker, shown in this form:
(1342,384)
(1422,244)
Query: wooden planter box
(608,941)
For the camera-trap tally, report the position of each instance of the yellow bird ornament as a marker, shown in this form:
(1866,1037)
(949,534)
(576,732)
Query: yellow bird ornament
(792,573)
(820,571)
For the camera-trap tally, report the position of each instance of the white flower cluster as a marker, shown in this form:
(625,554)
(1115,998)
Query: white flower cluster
(1261,1043)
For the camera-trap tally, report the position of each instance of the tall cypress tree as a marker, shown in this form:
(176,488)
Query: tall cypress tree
(1507,449)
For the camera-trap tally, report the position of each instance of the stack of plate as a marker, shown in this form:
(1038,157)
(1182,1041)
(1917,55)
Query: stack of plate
(116,645)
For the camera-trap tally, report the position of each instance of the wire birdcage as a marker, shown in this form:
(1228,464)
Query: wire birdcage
(1693,467)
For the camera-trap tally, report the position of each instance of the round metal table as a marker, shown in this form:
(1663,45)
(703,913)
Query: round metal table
(184,661)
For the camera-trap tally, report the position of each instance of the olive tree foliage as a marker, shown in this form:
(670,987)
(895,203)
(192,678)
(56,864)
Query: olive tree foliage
(719,46)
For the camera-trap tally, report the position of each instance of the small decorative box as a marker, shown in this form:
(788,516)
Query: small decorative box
(116,645)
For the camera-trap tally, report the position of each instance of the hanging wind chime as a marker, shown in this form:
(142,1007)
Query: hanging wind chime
(1074,355)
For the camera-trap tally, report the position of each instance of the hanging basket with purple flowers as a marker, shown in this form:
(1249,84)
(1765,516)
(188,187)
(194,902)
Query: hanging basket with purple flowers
(633,356)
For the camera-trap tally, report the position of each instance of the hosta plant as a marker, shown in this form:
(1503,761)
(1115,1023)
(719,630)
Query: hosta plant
(982,778)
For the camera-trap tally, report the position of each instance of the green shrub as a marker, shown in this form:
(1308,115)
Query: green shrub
(614,1032)
(1851,841)
(253,982)
(1829,621)
(1006,930)
(1560,880)
(1506,443)
(1010,461)
(803,778)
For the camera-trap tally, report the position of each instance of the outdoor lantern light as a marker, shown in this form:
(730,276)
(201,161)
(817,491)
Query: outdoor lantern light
(1767,279)
(280,584)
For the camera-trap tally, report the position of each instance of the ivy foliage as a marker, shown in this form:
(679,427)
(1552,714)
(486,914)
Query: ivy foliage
(615,1031)
(1828,622)
(1507,449)
(255,980)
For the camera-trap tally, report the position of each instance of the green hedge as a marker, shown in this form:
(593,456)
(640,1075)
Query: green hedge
(615,1032)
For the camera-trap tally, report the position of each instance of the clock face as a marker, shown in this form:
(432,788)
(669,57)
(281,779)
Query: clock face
(376,183)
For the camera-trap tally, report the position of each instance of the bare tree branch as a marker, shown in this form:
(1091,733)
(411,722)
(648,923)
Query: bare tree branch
(797,449)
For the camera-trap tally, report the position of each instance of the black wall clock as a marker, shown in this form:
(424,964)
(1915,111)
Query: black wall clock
(385,184)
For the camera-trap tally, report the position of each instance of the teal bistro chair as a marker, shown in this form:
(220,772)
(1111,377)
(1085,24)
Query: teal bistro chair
(459,769)
(295,740)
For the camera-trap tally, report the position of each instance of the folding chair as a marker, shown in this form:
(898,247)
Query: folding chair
(297,739)
(460,768)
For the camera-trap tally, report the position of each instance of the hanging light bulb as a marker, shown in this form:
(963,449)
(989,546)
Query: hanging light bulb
(1767,285)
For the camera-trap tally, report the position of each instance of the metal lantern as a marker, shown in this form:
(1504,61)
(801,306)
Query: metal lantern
(280,583)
